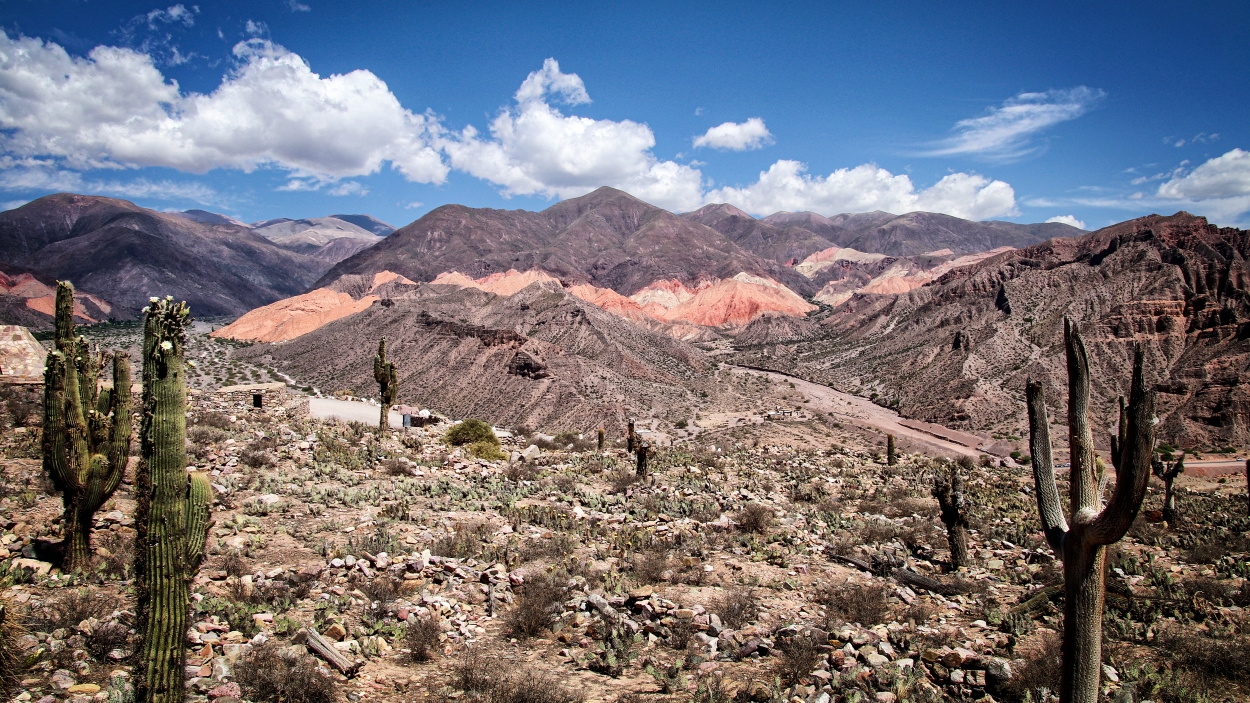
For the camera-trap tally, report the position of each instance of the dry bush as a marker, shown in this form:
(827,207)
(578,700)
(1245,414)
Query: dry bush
(538,603)
(220,421)
(649,567)
(10,657)
(71,608)
(799,656)
(1207,655)
(382,589)
(737,608)
(256,458)
(421,638)
(481,679)
(464,542)
(754,518)
(396,467)
(266,676)
(878,532)
(865,604)
(622,478)
(204,435)
(117,554)
(560,544)
(234,564)
(521,471)
(107,637)
(564,483)
(1039,677)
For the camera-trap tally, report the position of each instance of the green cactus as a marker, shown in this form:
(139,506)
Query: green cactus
(890,457)
(86,438)
(388,382)
(173,508)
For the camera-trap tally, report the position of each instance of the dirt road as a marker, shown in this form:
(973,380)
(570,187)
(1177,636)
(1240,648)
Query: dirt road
(861,412)
(349,410)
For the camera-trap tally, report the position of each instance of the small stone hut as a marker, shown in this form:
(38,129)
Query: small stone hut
(263,397)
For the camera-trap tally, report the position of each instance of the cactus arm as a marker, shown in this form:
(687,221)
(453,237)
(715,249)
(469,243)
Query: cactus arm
(55,444)
(199,500)
(1135,453)
(1048,504)
(1083,475)
(119,412)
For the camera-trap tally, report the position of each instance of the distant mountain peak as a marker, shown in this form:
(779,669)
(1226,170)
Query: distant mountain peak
(209,218)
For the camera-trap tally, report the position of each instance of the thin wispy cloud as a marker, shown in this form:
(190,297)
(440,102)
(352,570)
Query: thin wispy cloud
(1010,132)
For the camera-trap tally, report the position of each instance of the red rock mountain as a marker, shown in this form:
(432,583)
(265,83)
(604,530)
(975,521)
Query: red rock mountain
(958,350)
(608,238)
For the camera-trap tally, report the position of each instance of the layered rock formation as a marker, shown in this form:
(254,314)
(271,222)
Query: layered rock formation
(958,351)
(540,357)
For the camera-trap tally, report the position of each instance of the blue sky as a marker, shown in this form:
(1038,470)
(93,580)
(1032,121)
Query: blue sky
(302,108)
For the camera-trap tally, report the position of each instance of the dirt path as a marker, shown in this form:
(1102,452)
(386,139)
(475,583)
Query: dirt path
(861,412)
(348,410)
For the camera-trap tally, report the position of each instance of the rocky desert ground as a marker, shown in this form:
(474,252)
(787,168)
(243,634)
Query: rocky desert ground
(759,559)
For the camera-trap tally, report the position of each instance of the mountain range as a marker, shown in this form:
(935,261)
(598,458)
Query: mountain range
(119,254)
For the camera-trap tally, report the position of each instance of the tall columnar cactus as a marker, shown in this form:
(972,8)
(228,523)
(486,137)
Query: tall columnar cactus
(948,488)
(388,382)
(86,437)
(630,437)
(1169,472)
(600,444)
(643,450)
(1083,545)
(173,508)
(890,458)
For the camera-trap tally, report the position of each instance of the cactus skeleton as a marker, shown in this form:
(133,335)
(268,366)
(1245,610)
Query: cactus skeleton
(949,491)
(86,439)
(1169,472)
(1082,546)
(173,508)
(388,382)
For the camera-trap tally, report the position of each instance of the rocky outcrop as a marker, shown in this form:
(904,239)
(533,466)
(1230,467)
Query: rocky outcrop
(541,356)
(958,350)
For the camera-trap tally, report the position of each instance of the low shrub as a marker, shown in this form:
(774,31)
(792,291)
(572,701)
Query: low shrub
(265,675)
(799,656)
(540,598)
(470,431)
(865,604)
(421,638)
(484,681)
(754,518)
(10,658)
(737,608)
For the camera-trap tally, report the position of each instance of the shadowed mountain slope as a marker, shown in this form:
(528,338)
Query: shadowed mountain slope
(124,254)
(540,356)
(608,238)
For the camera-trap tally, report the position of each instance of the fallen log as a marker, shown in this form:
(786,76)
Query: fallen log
(333,657)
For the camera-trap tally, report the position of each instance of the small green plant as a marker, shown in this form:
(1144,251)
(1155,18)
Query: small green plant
(671,678)
(470,431)
(614,653)
(489,451)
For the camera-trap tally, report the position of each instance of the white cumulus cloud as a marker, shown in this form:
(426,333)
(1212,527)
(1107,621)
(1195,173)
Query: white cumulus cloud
(1006,132)
(1068,220)
(535,149)
(736,136)
(114,109)
(787,186)
(1218,188)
